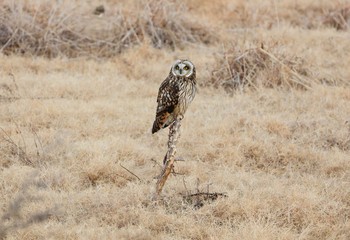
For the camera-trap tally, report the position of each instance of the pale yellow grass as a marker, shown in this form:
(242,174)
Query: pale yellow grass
(281,155)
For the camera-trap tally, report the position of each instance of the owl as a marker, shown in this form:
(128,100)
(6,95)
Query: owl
(175,94)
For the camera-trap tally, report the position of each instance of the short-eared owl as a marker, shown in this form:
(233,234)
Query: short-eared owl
(175,94)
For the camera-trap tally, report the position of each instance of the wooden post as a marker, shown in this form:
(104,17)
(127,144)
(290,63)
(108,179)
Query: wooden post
(174,134)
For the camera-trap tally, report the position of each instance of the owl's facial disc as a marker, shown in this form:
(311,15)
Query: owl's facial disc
(182,68)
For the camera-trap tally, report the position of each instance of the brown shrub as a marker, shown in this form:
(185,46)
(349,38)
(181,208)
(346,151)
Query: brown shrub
(165,24)
(338,18)
(256,67)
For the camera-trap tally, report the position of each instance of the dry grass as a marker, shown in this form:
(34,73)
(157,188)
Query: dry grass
(257,67)
(260,67)
(63,29)
(304,14)
(77,157)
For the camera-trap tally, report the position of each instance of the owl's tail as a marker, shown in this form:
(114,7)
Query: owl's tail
(157,125)
(161,121)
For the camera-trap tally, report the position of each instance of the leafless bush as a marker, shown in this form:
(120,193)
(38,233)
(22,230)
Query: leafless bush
(165,24)
(52,30)
(57,29)
(236,69)
(15,148)
(313,16)
(339,18)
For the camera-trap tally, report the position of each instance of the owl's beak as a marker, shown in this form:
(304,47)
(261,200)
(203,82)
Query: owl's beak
(180,70)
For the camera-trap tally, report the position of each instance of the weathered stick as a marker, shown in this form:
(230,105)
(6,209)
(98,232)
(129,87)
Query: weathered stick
(174,134)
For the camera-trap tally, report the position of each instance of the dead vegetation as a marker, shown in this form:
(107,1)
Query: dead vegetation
(257,67)
(14,147)
(338,18)
(270,65)
(8,89)
(273,162)
(15,218)
(62,29)
(280,157)
(200,198)
(307,15)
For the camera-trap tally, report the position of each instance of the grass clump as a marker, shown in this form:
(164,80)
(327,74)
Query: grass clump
(338,18)
(258,66)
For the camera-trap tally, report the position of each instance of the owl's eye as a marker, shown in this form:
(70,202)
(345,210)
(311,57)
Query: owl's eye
(186,68)
(177,67)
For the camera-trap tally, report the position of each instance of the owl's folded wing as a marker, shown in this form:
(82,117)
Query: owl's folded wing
(168,98)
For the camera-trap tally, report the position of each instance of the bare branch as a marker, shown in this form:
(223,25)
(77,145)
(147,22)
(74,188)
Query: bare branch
(174,135)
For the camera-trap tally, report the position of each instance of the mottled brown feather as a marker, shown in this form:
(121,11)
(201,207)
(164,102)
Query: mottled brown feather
(168,98)
(174,95)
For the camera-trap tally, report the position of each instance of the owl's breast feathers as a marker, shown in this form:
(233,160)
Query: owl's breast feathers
(172,100)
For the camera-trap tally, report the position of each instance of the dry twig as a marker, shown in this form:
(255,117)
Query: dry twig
(130,172)
(198,199)
(16,148)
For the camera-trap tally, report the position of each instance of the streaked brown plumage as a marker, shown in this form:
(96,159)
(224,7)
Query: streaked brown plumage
(175,94)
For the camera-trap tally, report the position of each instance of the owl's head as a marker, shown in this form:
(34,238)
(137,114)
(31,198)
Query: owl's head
(183,68)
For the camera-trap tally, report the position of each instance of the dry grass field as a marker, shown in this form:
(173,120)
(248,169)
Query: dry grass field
(269,128)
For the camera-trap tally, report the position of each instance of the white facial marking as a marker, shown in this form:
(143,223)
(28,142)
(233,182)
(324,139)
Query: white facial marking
(182,68)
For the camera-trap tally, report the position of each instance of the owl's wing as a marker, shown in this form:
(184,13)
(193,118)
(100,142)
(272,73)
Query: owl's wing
(168,98)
